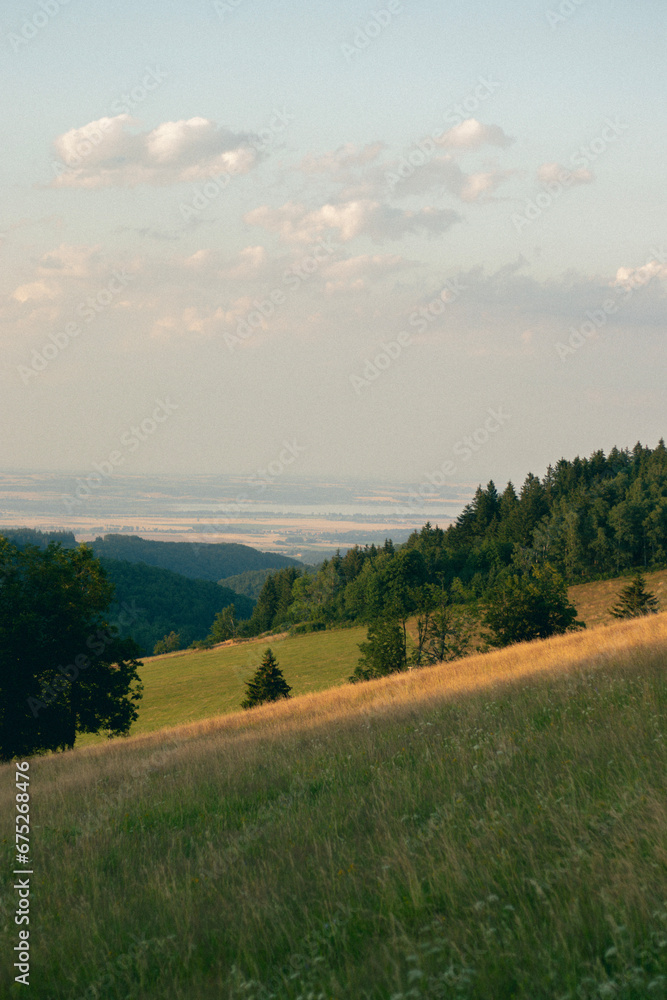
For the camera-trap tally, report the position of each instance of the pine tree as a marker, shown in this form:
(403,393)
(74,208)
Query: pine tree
(635,600)
(266,684)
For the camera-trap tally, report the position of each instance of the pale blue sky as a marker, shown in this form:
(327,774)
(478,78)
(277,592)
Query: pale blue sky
(526,284)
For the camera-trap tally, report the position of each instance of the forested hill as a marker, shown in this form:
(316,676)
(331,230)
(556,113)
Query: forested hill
(161,601)
(588,518)
(203,561)
(151,602)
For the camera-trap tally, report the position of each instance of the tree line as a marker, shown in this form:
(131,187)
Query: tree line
(589,518)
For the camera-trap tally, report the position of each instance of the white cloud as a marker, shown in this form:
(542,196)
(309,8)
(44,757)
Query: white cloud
(296,224)
(634,277)
(547,173)
(35,291)
(471,134)
(70,261)
(106,153)
(443,174)
(251,261)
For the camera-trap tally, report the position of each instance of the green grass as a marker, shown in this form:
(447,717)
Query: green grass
(196,684)
(509,842)
(190,685)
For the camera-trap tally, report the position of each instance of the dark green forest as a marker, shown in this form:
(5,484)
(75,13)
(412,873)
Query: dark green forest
(589,518)
(161,601)
(249,583)
(200,561)
(168,602)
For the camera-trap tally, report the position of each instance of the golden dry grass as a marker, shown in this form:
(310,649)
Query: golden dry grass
(488,829)
(617,642)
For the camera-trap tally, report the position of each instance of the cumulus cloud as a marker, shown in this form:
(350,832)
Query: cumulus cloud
(342,159)
(296,224)
(70,261)
(471,134)
(633,277)
(109,153)
(443,174)
(547,173)
(35,291)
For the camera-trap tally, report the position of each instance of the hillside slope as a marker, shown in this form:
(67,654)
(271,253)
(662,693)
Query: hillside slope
(204,561)
(494,828)
(168,601)
(195,684)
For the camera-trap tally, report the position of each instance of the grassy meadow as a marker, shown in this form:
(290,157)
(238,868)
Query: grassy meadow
(190,685)
(493,828)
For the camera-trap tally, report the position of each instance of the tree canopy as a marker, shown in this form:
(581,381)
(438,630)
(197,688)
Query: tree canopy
(532,605)
(63,668)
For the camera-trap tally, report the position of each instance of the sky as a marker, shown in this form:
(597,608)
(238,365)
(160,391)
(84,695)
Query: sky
(398,240)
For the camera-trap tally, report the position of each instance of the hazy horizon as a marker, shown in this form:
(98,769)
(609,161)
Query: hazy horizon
(391,241)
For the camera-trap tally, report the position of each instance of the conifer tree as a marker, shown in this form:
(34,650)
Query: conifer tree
(635,600)
(266,684)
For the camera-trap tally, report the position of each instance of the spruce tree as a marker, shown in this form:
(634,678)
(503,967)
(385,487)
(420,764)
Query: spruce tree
(266,684)
(635,600)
